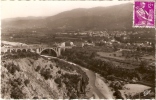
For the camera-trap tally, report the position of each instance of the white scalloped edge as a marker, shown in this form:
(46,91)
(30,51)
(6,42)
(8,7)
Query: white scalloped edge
(144,27)
(135,26)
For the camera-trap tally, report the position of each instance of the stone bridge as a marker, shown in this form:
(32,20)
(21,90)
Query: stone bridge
(52,51)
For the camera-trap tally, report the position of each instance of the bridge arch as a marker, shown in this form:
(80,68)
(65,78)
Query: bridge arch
(24,50)
(49,52)
(28,50)
(13,51)
(19,50)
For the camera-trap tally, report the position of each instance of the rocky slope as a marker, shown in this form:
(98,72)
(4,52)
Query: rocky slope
(38,77)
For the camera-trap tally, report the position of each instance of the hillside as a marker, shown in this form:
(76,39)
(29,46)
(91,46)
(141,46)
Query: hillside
(98,18)
(29,76)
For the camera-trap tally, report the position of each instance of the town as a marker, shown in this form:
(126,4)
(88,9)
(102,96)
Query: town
(130,56)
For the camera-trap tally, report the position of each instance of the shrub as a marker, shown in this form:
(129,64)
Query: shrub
(26,82)
(58,81)
(51,66)
(59,71)
(5,65)
(73,96)
(17,67)
(38,68)
(16,93)
(35,98)
(46,73)
(114,55)
(72,81)
(19,81)
(13,83)
(44,98)
(110,77)
(117,94)
(13,68)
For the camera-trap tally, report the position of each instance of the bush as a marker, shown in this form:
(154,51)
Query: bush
(16,93)
(12,68)
(13,83)
(117,94)
(38,68)
(51,66)
(110,77)
(44,98)
(59,71)
(46,73)
(114,55)
(72,80)
(35,98)
(19,81)
(73,96)
(17,68)
(26,82)
(58,81)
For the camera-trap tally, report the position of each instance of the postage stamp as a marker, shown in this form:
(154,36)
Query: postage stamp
(144,14)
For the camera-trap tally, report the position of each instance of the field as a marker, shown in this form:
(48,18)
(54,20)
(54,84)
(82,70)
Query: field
(114,55)
(149,57)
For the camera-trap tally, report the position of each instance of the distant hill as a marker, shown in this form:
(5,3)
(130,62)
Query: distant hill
(118,17)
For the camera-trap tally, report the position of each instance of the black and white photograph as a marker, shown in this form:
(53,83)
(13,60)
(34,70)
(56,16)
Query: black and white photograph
(75,50)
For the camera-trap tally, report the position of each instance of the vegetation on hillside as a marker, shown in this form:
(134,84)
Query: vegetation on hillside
(27,75)
(87,58)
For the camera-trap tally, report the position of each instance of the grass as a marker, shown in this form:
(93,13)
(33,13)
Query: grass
(118,61)
(149,57)
(111,55)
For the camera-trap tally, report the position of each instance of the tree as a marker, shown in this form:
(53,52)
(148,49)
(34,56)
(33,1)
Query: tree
(16,93)
(58,81)
(115,48)
(93,55)
(143,66)
(90,41)
(117,94)
(110,77)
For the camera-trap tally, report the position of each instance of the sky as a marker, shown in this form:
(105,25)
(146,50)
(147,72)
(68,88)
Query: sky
(12,9)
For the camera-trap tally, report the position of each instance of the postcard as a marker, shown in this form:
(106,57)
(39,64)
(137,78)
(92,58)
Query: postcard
(78,49)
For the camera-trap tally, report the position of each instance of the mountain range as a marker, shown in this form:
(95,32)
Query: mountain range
(118,17)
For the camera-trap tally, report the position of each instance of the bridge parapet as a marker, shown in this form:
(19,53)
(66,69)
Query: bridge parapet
(32,49)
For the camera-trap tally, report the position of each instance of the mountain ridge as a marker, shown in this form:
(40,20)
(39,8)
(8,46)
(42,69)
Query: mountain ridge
(97,18)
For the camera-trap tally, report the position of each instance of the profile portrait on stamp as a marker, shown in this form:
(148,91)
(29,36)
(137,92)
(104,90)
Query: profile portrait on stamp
(144,14)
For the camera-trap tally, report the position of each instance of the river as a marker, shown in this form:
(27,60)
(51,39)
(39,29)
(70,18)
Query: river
(92,78)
